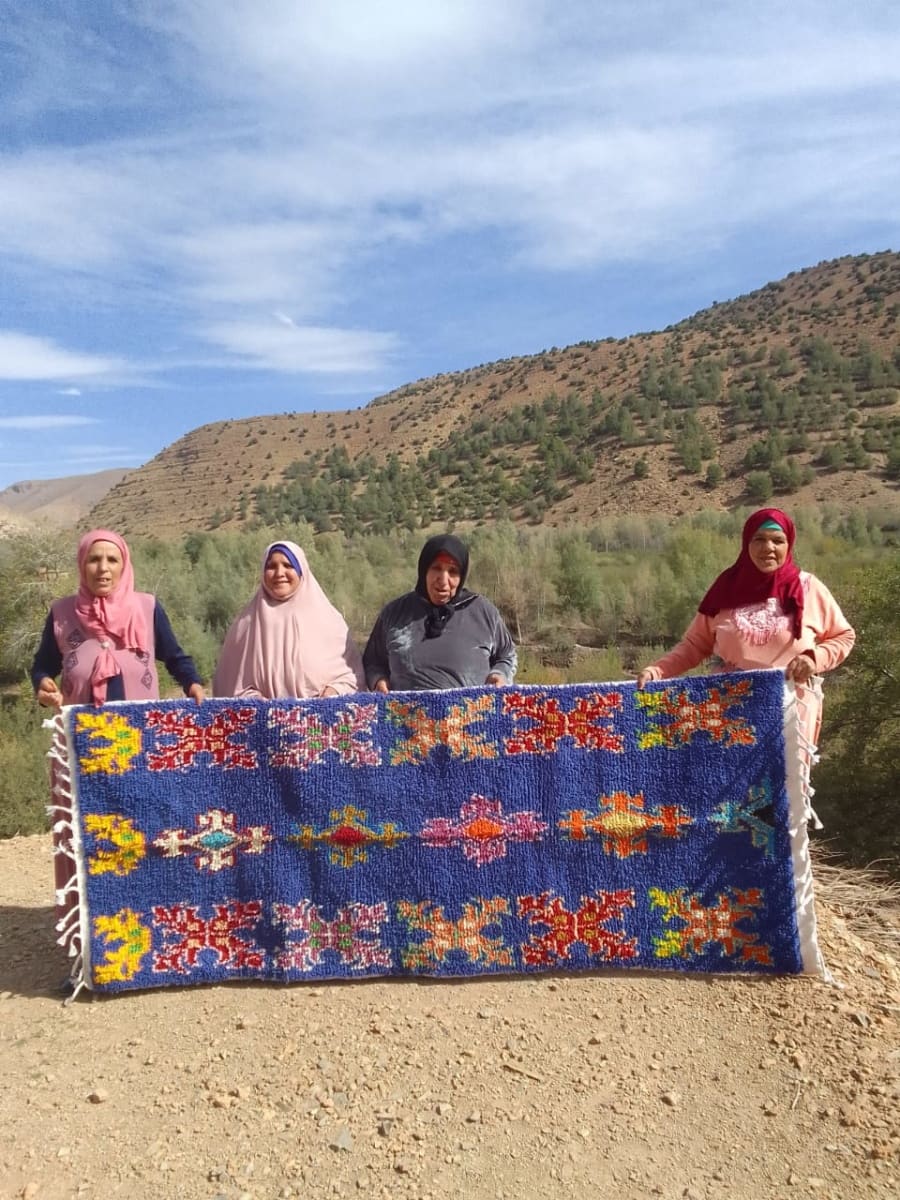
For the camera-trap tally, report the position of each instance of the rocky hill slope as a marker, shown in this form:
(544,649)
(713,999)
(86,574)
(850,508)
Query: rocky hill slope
(799,381)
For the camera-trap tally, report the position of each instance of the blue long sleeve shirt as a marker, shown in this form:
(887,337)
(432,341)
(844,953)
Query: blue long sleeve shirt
(48,659)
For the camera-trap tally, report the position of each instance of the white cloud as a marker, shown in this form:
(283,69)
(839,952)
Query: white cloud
(46,421)
(24,357)
(69,391)
(324,140)
(275,346)
(399,56)
(118,455)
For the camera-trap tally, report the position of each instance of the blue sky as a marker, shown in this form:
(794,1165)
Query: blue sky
(222,208)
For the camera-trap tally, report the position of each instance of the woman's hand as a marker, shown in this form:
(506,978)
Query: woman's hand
(800,669)
(644,677)
(327,691)
(495,679)
(48,694)
(381,686)
(197,693)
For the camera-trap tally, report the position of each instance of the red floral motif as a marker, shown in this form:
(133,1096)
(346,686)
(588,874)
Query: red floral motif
(191,739)
(585,925)
(587,723)
(186,934)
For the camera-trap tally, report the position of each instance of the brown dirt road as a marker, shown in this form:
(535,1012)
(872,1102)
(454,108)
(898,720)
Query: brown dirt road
(615,1085)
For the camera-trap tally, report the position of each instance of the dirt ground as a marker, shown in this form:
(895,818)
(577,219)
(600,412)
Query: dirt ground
(609,1085)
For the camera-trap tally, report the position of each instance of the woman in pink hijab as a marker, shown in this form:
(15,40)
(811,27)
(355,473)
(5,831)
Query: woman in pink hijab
(290,641)
(106,639)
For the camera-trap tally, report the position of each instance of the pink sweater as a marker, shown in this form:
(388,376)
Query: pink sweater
(760,636)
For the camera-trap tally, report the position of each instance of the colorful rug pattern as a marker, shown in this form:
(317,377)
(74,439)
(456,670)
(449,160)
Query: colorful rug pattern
(442,833)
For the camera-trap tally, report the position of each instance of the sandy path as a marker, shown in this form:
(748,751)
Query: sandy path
(619,1085)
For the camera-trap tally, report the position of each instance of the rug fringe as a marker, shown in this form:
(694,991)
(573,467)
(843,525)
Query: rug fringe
(77,979)
(809,751)
(800,813)
(63,817)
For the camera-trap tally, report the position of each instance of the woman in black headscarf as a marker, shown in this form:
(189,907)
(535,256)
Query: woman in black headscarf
(440,635)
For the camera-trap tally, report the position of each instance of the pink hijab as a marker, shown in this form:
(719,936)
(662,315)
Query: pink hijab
(288,648)
(116,618)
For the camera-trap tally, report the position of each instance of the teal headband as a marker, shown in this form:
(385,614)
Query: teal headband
(771,525)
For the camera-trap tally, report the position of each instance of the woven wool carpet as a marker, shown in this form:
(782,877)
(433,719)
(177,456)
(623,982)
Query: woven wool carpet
(456,833)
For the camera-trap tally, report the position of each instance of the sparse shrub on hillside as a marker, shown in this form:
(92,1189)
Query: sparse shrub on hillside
(831,456)
(759,487)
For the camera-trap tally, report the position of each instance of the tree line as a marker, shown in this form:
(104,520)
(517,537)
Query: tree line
(809,412)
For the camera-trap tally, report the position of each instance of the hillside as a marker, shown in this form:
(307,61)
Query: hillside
(792,391)
(57,501)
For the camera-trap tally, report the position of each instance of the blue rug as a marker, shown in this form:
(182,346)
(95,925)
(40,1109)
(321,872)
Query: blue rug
(471,832)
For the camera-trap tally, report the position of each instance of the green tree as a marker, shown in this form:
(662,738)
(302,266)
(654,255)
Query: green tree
(578,578)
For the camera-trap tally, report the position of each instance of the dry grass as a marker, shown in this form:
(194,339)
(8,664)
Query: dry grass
(865,900)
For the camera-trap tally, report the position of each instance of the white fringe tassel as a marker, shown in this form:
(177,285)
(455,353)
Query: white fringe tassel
(799,752)
(65,835)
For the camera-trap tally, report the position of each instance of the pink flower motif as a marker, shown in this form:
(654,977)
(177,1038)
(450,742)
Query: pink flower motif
(759,623)
(483,830)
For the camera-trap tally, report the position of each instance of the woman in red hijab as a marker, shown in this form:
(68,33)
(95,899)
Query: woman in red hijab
(763,611)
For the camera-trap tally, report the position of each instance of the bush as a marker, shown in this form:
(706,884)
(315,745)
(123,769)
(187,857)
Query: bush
(759,487)
(714,475)
(24,774)
(859,779)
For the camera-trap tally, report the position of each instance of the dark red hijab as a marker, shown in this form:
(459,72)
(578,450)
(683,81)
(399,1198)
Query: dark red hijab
(743,583)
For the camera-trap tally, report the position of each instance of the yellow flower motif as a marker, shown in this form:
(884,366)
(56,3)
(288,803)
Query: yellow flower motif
(113,743)
(129,845)
(124,961)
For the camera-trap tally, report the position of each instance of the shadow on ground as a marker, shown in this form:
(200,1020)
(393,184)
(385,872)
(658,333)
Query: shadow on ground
(31,963)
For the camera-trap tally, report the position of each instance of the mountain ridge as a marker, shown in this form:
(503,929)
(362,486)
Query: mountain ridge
(729,378)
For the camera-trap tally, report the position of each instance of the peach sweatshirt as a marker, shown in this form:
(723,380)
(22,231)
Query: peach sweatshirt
(760,636)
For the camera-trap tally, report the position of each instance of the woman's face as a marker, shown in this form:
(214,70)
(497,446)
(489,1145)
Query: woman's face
(768,549)
(103,568)
(442,579)
(279,577)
